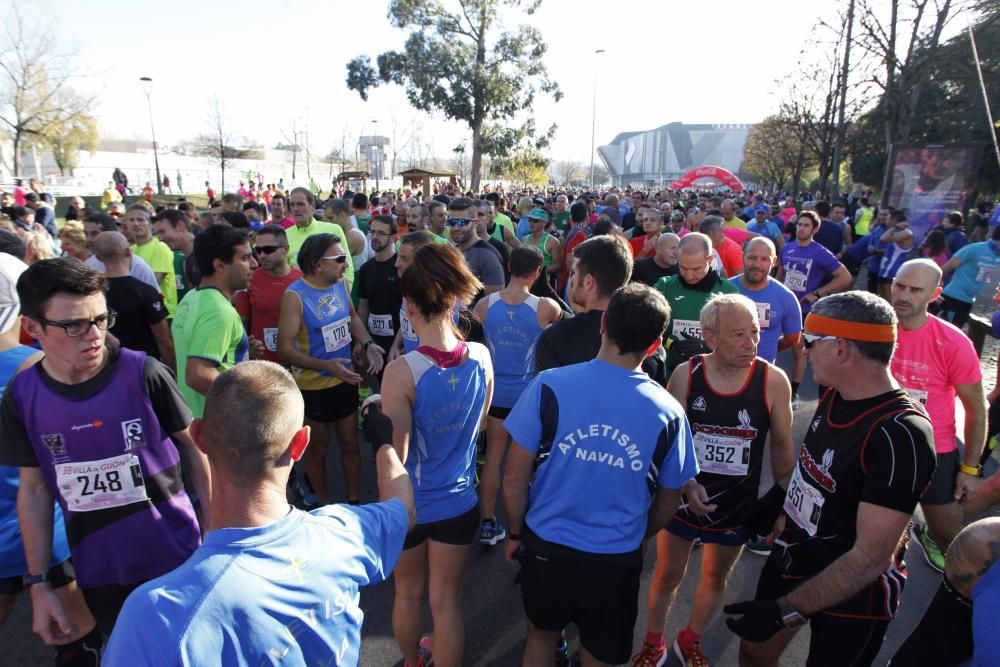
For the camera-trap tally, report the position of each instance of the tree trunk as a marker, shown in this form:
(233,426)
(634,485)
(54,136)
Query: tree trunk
(17,154)
(477,154)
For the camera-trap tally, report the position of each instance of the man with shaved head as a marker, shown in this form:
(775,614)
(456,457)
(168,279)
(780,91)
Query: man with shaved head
(141,322)
(663,263)
(934,362)
(729,215)
(778,309)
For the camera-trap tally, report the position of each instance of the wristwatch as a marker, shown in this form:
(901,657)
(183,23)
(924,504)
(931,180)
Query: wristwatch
(365,345)
(30,580)
(791,617)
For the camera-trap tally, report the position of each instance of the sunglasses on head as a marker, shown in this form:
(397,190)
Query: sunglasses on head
(459,222)
(267,249)
(339,259)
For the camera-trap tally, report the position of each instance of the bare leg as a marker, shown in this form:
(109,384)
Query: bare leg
(587,660)
(944,522)
(539,648)
(489,478)
(411,582)
(315,459)
(716,563)
(447,570)
(350,455)
(672,554)
(765,654)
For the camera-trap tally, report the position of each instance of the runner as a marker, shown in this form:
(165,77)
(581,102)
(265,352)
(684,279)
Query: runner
(720,392)
(266,569)
(687,293)
(155,252)
(171,227)
(208,333)
(435,435)
(279,212)
(82,645)
(662,264)
(316,325)
(811,272)
(867,457)
(579,549)
(546,243)
(897,241)
(380,300)
(303,204)
(513,319)
(935,362)
(778,310)
(974,266)
(259,305)
(105,446)
(406,337)
(649,225)
(482,259)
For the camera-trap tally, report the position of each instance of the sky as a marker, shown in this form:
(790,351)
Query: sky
(275,62)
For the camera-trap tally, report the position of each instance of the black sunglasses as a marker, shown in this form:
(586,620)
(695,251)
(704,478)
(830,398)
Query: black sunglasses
(459,222)
(268,249)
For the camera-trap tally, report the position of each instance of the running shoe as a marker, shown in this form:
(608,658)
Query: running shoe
(562,653)
(650,656)
(426,645)
(491,531)
(759,546)
(691,656)
(932,552)
(795,401)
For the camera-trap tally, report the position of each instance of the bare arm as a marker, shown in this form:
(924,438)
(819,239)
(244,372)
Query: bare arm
(788,341)
(197,467)
(841,281)
(289,324)
(510,239)
(679,381)
(393,481)
(975,405)
(664,505)
(779,396)
(951,265)
(879,530)
(200,374)
(165,344)
(517,476)
(364,310)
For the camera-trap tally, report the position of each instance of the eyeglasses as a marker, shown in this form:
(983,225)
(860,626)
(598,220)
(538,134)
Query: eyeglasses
(339,259)
(375,232)
(811,339)
(459,222)
(268,249)
(77,328)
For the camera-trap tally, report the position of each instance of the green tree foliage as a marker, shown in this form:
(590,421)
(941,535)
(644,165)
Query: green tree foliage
(460,60)
(67,139)
(524,166)
(774,152)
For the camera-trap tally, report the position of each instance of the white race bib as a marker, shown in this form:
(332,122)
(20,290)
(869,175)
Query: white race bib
(179,280)
(271,339)
(98,485)
(380,325)
(796,280)
(919,395)
(764,315)
(337,334)
(404,324)
(985,273)
(804,503)
(722,454)
(689,329)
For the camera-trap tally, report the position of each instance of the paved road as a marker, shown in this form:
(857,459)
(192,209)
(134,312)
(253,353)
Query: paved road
(494,618)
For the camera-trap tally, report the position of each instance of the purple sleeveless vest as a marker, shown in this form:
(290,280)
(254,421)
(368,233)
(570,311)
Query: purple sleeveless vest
(124,543)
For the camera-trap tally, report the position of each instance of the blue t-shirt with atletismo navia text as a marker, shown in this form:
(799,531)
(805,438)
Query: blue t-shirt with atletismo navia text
(778,312)
(287,593)
(980,266)
(600,460)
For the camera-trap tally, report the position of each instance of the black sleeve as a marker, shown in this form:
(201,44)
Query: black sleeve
(359,278)
(15,446)
(168,403)
(898,460)
(153,308)
(546,355)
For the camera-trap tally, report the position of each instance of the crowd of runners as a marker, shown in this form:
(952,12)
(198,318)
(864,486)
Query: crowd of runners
(598,366)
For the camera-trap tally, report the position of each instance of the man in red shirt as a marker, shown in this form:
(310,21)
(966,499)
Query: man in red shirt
(644,245)
(279,212)
(260,303)
(210,192)
(729,251)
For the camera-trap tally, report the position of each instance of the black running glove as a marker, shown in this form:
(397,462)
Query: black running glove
(761,619)
(378,427)
(764,513)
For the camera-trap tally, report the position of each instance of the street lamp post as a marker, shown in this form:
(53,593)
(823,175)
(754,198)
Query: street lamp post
(147,87)
(378,155)
(593,122)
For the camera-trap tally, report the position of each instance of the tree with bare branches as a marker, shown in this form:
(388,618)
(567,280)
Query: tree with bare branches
(218,142)
(37,101)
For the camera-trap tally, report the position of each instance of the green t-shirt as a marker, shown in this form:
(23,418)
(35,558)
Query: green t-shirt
(297,236)
(180,275)
(504,221)
(561,220)
(160,258)
(686,304)
(206,326)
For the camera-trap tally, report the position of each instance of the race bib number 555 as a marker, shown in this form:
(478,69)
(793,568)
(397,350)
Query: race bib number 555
(98,485)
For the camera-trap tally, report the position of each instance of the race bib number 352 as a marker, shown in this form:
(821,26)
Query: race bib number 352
(722,455)
(96,485)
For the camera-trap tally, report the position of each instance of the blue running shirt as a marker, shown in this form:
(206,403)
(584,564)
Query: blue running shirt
(511,334)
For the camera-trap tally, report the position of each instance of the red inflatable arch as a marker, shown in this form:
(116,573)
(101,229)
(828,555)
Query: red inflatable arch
(723,176)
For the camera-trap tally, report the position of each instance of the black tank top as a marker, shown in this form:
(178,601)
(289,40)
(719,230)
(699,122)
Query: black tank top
(729,435)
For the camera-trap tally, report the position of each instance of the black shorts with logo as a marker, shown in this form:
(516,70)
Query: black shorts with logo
(458,530)
(598,593)
(330,404)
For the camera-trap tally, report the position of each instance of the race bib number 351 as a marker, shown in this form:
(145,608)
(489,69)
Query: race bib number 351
(98,485)
(804,504)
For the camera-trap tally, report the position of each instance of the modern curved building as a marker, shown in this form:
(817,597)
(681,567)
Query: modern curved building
(656,157)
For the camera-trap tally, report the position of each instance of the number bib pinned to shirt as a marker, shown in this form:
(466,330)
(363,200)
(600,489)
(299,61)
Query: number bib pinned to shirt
(796,280)
(985,273)
(271,339)
(721,454)
(96,485)
(337,334)
(804,503)
(686,329)
(764,315)
(380,325)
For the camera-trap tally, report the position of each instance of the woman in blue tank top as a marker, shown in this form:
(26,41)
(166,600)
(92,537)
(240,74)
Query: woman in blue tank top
(437,397)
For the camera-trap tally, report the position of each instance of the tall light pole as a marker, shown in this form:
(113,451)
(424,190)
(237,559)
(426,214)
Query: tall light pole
(378,155)
(593,120)
(147,87)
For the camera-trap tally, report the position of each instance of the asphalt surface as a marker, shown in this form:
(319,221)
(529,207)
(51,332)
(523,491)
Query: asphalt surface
(494,618)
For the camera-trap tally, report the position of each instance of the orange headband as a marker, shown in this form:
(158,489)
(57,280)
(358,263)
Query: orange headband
(860,331)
